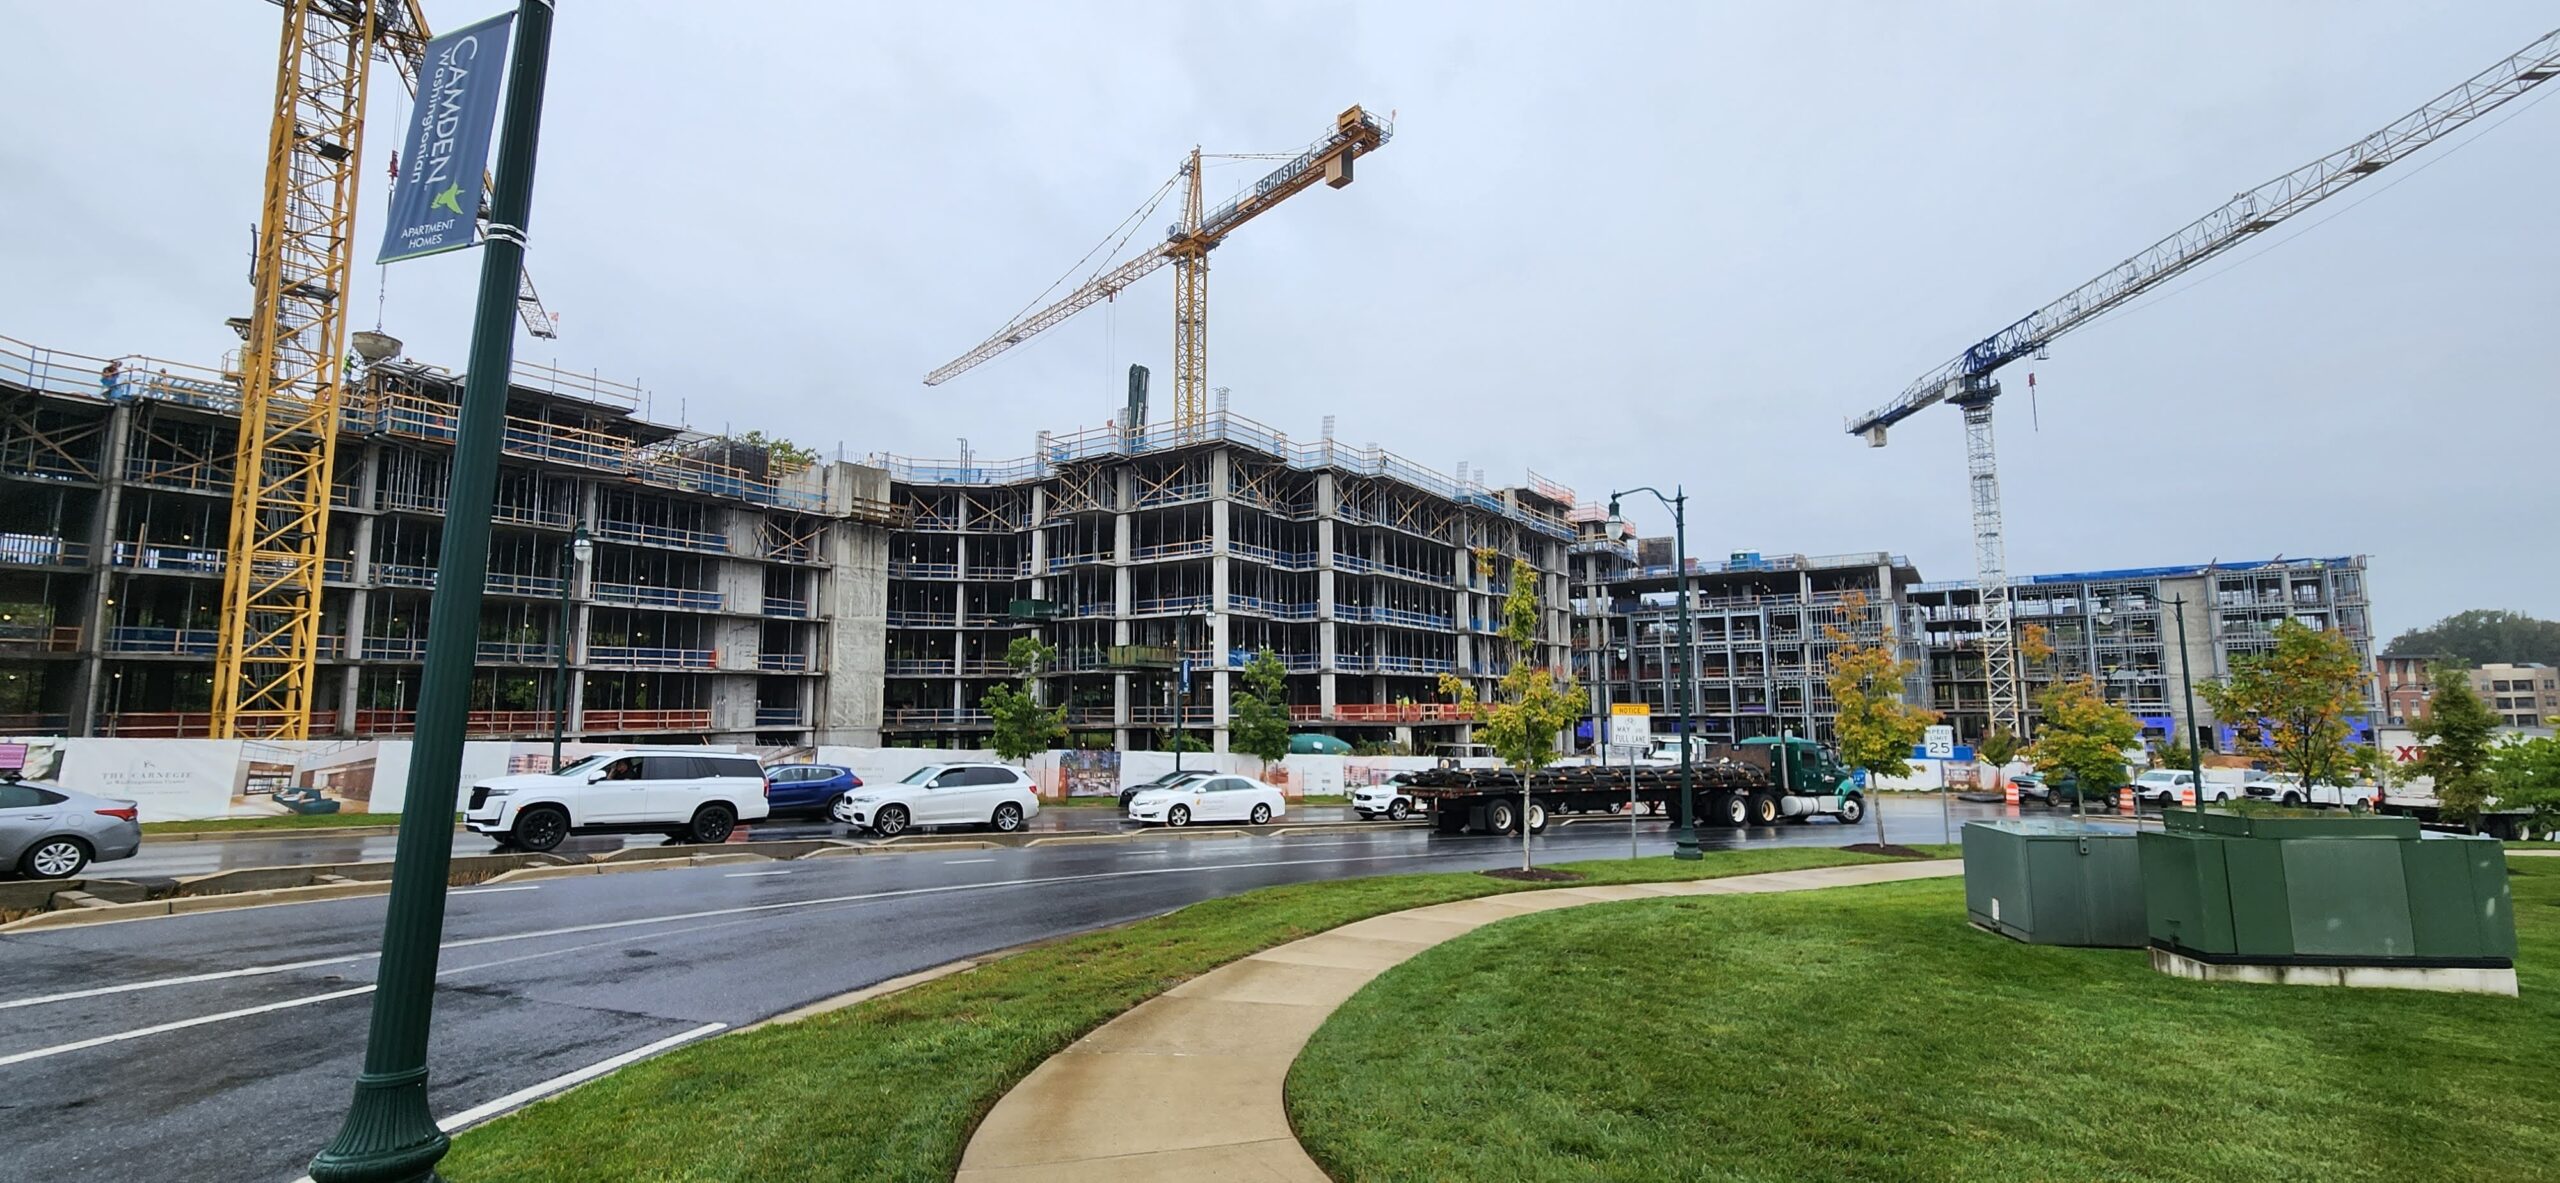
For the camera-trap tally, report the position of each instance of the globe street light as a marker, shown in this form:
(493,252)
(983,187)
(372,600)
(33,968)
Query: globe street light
(1685,835)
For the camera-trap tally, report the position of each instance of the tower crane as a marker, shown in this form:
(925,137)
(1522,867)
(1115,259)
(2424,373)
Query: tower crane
(292,356)
(1968,382)
(1187,245)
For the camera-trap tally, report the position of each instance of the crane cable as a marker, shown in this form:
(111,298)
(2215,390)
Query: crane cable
(1128,226)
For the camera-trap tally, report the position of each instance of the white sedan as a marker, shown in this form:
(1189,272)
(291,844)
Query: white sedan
(1215,799)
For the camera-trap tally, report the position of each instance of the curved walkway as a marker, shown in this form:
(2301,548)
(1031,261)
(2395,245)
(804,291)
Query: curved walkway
(1187,1085)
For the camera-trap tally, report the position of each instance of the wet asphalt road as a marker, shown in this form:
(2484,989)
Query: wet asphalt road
(543,979)
(169,856)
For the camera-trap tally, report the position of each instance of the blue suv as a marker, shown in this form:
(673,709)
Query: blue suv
(809,788)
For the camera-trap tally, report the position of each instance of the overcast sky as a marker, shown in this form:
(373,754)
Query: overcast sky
(1616,244)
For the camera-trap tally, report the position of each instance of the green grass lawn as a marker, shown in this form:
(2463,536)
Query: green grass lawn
(285,821)
(891,1089)
(1868,1033)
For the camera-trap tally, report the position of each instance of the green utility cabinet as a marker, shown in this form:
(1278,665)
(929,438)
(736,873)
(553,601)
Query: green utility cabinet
(2051,882)
(2325,889)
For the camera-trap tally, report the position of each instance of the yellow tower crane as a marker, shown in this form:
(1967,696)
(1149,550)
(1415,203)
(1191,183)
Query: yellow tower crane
(293,354)
(1187,245)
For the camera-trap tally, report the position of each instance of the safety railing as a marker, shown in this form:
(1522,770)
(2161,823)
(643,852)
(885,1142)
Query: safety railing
(1275,609)
(784,663)
(31,637)
(902,569)
(1163,716)
(192,642)
(144,556)
(1062,562)
(1173,494)
(512,583)
(916,667)
(784,608)
(675,537)
(647,657)
(1171,604)
(41,463)
(395,649)
(919,618)
(781,717)
(403,575)
(988,620)
(1172,550)
(34,724)
(996,572)
(194,476)
(934,717)
(475,723)
(1385,712)
(518,652)
(653,596)
(42,550)
(645,721)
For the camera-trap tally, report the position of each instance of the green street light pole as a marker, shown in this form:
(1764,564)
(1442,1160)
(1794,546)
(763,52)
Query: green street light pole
(1685,837)
(2186,680)
(571,556)
(388,1135)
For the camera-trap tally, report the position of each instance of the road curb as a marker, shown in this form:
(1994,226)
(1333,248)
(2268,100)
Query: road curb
(295,832)
(1079,839)
(183,905)
(572,870)
(909,848)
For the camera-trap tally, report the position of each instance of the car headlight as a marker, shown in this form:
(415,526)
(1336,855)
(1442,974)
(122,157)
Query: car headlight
(496,792)
(864,799)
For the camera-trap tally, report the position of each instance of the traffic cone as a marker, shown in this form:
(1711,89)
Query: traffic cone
(2187,797)
(2125,801)
(2009,795)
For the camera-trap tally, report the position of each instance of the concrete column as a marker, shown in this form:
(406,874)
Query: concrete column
(1221,682)
(89,691)
(1039,543)
(855,614)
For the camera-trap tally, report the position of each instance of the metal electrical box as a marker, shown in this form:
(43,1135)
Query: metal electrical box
(2050,882)
(2326,890)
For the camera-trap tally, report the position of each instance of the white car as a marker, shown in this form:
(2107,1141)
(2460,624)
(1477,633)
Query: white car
(693,796)
(2285,788)
(1389,800)
(1216,799)
(2170,786)
(996,795)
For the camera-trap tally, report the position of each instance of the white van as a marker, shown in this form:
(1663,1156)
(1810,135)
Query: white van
(691,796)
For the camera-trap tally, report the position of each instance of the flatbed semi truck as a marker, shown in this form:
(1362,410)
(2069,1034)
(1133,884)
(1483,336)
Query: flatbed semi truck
(1757,782)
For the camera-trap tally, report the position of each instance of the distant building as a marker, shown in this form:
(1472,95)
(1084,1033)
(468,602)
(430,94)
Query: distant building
(2522,694)
(2403,683)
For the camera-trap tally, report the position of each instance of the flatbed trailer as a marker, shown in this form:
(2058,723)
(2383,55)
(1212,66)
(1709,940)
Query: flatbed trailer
(1758,782)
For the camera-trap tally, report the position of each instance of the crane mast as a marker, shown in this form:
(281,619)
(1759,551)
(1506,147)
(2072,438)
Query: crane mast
(1187,245)
(1968,380)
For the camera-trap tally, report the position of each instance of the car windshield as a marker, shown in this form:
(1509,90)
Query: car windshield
(589,764)
(2159,776)
(921,775)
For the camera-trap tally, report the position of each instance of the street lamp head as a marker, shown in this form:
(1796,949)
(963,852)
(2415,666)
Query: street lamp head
(1616,521)
(582,546)
(2106,618)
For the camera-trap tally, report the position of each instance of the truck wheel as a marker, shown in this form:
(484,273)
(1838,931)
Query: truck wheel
(1399,809)
(2293,799)
(1764,809)
(1728,809)
(1500,816)
(1537,818)
(1853,809)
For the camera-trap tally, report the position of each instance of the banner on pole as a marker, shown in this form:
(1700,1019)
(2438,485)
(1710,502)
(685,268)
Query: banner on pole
(435,203)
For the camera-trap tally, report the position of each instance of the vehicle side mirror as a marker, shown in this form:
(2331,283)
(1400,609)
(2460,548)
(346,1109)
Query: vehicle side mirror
(595,777)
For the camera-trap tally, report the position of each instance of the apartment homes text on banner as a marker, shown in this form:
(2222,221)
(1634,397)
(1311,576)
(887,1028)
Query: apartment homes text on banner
(435,202)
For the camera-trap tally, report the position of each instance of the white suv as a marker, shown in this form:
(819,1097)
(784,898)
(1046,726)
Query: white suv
(995,795)
(1389,800)
(694,796)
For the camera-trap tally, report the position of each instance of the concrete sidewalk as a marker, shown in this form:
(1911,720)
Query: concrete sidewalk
(1219,1046)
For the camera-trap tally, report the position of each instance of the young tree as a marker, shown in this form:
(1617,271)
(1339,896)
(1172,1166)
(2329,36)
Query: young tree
(1875,730)
(2083,736)
(2296,700)
(2176,754)
(1259,723)
(1024,728)
(2001,746)
(2458,730)
(2525,774)
(1532,704)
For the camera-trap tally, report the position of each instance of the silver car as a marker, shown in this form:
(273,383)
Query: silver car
(50,832)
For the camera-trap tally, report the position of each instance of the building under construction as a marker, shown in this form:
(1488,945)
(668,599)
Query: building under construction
(723,594)
(726,594)
(1159,561)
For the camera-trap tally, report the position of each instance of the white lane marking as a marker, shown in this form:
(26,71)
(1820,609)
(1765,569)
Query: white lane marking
(488,1109)
(255,970)
(962,862)
(495,890)
(180,1025)
(752,874)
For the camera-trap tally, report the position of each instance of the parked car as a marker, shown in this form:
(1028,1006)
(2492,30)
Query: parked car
(1389,800)
(2063,791)
(1166,781)
(2169,786)
(692,796)
(51,832)
(2285,788)
(811,788)
(996,795)
(1212,799)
